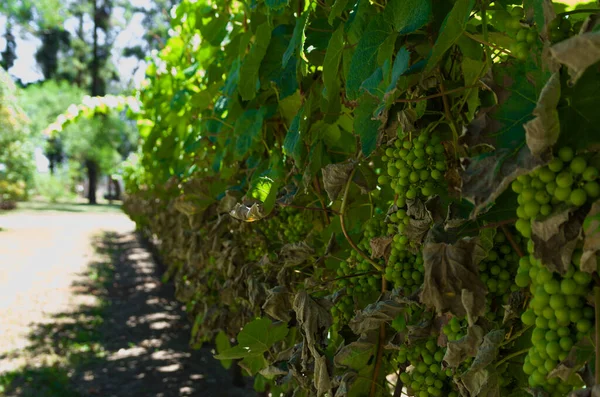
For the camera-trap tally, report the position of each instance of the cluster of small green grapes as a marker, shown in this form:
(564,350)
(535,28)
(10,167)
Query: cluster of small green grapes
(560,315)
(290,225)
(256,252)
(496,272)
(342,311)
(562,28)
(566,179)
(455,329)
(415,167)
(426,379)
(526,35)
(405,270)
(363,284)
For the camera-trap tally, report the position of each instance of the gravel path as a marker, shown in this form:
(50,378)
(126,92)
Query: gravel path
(81,303)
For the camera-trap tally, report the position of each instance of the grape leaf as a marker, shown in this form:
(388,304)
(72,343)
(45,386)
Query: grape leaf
(278,304)
(451,269)
(331,65)
(249,84)
(248,130)
(335,177)
(276,5)
(365,125)
(222,344)
(577,111)
(254,339)
(406,16)
(375,314)
(336,10)
(296,46)
(453,27)
(542,132)
(560,229)
(364,59)
(578,53)
(314,319)
(460,350)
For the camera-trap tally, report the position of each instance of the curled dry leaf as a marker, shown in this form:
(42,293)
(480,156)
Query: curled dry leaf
(248,214)
(381,247)
(578,53)
(278,304)
(322,381)
(460,350)
(450,269)
(561,229)
(375,314)
(542,132)
(488,351)
(295,254)
(481,383)
(335,177)
(314,319)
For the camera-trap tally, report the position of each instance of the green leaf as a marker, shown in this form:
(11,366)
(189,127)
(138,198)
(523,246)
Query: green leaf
(356,355)
(331,65)
(364,60)
(400,66)
(407,15)
(253,364)
(256,338)
(364,124)
(292,144)
(453,27)
(249,84)
(578,112)
(336,10)
(222,344)
(276,5)
(248,130)
(296,46)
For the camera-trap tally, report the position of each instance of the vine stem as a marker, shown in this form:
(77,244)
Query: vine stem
(597,309)
(439,94)
(484,42)
(512,355)
(342,223)
(379,346)
(515,336)
(512,241)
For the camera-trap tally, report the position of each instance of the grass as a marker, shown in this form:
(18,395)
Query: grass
(67,343)
(41,206)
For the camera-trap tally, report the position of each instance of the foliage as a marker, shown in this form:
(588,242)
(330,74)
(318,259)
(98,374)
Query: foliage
(16,151)
(332,178)
(56,187)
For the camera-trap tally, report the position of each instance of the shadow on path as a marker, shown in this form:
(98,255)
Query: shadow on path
(129,338)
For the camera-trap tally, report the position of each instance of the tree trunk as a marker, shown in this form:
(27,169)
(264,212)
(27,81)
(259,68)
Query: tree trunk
(92,171)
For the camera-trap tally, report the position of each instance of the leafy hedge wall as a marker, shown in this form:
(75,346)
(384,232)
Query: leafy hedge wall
(377,197)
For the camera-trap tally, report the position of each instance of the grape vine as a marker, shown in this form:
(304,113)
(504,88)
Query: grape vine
(368,199)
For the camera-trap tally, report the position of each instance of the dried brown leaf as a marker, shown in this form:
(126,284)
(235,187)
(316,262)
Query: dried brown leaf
(335,177)
(450,269)
(591,239)
(542,132)
(460,350)
(578,53)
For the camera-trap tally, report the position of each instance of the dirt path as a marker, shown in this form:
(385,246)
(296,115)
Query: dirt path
(83,313)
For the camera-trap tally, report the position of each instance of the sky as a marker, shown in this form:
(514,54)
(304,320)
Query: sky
(130,69)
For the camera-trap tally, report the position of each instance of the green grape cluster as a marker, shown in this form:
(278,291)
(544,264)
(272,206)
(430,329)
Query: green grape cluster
(342,311)
(405,270)
(362,284)
(496,271)
(455,329)
(290,225)
(526,36)
(562,28)
(560,315)
(566,179)
(425,377)
(256,252)
(415,167)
